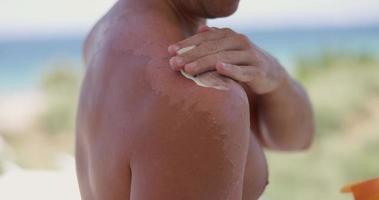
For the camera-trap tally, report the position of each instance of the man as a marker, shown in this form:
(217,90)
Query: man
(146,132)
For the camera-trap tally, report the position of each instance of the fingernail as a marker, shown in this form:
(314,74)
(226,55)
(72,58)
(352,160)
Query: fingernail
(177,62)
(202,28)
(173,49)
(172,64)
(222,65)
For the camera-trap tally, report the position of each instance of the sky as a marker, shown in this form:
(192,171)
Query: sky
(29,17)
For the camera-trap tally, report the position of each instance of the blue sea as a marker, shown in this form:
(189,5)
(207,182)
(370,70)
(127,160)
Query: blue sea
(23,62)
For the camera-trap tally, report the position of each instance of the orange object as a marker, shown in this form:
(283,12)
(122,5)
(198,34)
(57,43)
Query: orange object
(367,190)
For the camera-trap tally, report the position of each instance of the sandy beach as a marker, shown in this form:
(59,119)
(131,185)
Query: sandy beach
(18,114)
(21,184)
(18,110)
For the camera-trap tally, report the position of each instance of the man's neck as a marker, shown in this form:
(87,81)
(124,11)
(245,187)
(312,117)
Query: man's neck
(169,11)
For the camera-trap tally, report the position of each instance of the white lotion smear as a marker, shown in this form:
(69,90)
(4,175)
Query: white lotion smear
(209,79)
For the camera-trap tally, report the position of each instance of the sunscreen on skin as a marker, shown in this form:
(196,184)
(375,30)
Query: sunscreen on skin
(209,80)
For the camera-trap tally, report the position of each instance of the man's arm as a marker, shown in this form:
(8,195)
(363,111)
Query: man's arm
(197,152)
(283,113)
(283,119)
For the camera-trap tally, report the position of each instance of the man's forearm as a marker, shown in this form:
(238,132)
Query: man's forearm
(285,117)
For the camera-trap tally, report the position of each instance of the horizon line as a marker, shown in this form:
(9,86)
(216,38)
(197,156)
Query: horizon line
(80,32)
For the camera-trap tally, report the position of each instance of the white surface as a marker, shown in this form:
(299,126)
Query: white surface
(19,184)
(19,110)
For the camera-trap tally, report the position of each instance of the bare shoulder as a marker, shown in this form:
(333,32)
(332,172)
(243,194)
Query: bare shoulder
(193,144)
(194,140)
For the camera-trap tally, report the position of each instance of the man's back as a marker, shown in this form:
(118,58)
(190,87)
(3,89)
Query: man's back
(145,132)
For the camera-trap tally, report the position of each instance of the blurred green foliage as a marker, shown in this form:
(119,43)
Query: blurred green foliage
(339,85)
(1,166)
(344,90)
(53,130)
(61,85)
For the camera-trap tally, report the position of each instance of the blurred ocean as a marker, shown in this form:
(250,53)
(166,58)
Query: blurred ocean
(23,61)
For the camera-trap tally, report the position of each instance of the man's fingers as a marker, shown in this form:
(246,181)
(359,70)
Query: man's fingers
(195,40)
(205,33)
(205,49)
(208,63)
(238,73)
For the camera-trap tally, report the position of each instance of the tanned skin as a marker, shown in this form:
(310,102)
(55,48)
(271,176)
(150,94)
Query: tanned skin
(145,132)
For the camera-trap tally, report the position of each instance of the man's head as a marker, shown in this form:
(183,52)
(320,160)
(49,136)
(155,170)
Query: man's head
(209,8)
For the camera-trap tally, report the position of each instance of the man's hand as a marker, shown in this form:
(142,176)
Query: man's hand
(230,54)
(282,117)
